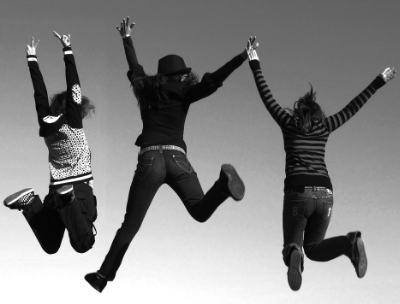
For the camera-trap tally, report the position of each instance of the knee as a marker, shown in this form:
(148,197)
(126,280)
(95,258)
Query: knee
(83,246)
(51,250)
(199,217)
(308,250)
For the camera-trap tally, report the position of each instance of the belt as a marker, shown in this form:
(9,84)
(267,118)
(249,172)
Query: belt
(161,148)
(315,188)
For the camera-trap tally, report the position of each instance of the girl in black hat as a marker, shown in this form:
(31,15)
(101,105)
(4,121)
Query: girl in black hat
(164,100)
(308,199)
(70,203)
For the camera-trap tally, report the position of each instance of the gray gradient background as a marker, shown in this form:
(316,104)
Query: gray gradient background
(338,46)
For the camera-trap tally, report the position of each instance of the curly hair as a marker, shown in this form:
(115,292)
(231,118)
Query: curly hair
(58,104)
(307,111)
(150,90)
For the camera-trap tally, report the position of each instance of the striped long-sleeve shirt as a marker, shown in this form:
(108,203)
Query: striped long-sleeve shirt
(305,151)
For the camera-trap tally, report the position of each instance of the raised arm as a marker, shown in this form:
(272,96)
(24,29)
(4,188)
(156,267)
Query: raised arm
(335,121)
(39,87)
(73,107)
(212,81)
(135,69)
(48,123)
(276,111)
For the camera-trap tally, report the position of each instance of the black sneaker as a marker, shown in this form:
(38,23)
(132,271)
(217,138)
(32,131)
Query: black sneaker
(231,182)
(97,281)
(20,200)
(294,270)
(359,257)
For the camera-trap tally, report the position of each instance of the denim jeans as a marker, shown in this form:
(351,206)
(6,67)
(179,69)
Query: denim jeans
(306,217)
(155,168)
(49,223)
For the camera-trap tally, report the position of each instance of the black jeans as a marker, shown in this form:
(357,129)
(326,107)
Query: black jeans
(49,223)
(155,168)
(308,212)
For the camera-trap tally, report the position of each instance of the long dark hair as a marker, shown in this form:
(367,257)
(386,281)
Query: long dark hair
(150,91)
(307,111)
(58,104)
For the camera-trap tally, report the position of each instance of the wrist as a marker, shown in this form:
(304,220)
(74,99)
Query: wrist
(255,64)
(244,54)
(31,57)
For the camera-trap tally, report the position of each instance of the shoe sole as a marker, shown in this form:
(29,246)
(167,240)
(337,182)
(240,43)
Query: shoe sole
(294,271)
(235,183)
(65,190)
(362,265)
(16,196)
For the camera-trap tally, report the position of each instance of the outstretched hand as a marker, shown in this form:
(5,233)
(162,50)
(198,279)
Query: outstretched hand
(388,74)
(65,40)
(125,28)
(31,49)
(250,50)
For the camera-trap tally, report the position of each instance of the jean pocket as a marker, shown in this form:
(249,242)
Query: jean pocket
(143,167)
(183,163)
(294,207)
(327,211)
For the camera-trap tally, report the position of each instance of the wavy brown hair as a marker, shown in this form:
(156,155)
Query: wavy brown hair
(307,111)
(150,90)
(58,104)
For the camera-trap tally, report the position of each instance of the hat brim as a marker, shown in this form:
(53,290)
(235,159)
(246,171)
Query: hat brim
(183,71)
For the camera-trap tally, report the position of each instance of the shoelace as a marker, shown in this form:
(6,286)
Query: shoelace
(25,201)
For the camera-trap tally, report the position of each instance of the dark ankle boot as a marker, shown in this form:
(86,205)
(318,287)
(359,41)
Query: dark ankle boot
(358,256)
(96,280)
(230,182)
(294,259)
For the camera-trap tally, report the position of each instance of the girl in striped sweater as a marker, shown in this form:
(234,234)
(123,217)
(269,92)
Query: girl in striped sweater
(308,195)
(70,203)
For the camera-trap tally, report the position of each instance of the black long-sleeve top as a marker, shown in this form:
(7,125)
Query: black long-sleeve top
(69,154)
(305,152)
(166,126)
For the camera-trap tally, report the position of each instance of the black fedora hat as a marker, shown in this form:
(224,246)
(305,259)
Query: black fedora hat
(172,65)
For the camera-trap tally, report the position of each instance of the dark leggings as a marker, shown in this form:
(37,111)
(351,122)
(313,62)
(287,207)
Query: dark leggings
(49,223)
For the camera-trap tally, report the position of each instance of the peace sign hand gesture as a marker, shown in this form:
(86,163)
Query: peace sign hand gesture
(31,49)
(125,29)
(65,40)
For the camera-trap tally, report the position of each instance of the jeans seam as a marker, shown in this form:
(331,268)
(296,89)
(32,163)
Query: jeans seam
(163,160)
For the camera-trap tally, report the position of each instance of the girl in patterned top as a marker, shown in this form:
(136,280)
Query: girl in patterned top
(164,101)
(70,203)
(308,192)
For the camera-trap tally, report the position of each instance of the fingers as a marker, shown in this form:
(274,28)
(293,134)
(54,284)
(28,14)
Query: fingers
(251,43)
(57,35)
(388,74)
(132,25)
